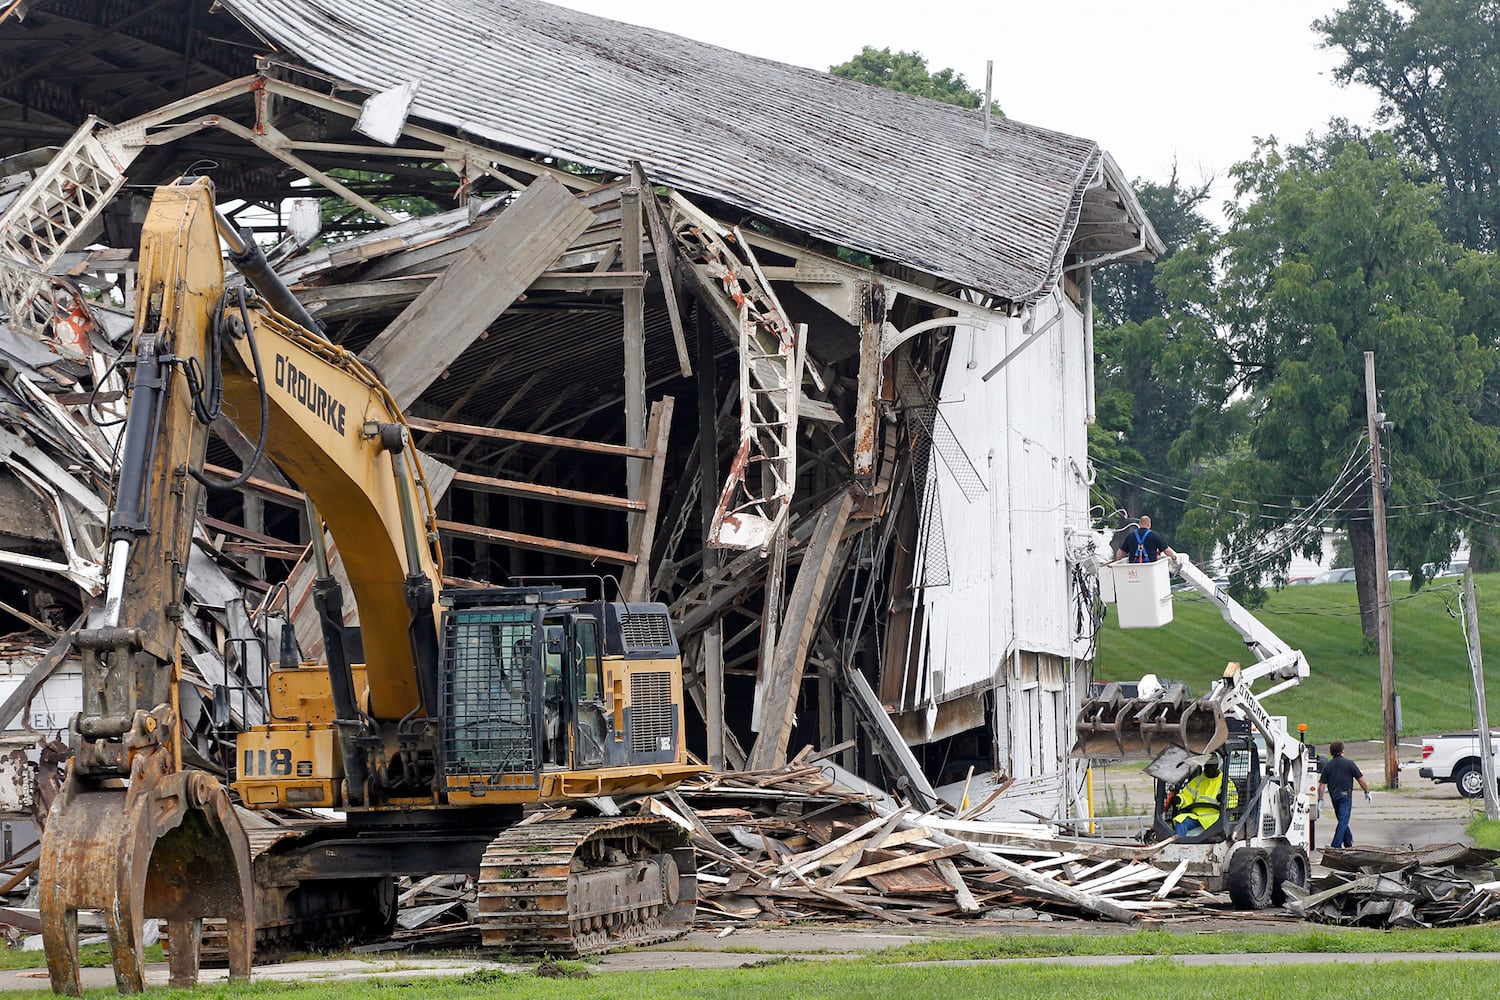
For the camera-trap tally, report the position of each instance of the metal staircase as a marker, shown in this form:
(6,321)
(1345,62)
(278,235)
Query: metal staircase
(752,509)
(48,216)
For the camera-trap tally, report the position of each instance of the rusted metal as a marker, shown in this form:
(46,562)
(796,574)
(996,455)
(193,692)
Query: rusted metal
(872,307)
(527,437)
(169,845)
(1114,726)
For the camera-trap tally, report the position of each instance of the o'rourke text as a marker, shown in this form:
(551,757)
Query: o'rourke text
(301,387)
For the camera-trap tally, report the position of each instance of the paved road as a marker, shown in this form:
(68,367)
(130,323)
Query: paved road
(708,951)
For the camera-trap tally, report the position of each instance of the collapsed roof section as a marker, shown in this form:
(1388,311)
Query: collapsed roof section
(887,173)
(779,262)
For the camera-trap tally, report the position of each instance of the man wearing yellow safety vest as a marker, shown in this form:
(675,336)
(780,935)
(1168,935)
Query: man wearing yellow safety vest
(1198,800)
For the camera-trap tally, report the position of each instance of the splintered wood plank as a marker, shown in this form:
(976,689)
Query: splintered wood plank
(784,674)
(451,313)
(899,838)
(904,861)
(803,863)
(955,879)
(1173,879)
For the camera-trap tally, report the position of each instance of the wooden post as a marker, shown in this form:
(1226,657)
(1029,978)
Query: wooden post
(1476,667)
(872,303)
(1382,582)
(255,520)
(712,658)
(636,581)
(635,338)
(784,670)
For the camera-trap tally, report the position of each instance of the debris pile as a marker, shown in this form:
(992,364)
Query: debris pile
(1432,886)
(798,844)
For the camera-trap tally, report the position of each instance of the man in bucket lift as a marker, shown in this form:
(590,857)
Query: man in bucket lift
(1198,800)
(1144,545)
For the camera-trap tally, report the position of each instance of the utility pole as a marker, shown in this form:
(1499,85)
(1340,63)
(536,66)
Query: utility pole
(1476,666)
(1382,580)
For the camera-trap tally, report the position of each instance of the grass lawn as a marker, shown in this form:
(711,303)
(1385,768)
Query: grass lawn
(1341,700)
(860,980)
(909,972)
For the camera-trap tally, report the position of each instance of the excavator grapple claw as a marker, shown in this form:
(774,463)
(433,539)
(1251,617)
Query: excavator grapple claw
(168,845)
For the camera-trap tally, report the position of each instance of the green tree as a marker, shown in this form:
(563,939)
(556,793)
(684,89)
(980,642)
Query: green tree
(1436,66)
(1128,293)
(1332,252)
(908,72)
(1151,375)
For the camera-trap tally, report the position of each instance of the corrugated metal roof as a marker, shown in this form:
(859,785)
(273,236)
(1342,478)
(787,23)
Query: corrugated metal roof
(891,174)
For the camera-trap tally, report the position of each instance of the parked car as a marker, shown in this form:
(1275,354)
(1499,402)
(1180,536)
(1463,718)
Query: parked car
(1299,581)
(1455,757)
(1397,574)
(1345,575)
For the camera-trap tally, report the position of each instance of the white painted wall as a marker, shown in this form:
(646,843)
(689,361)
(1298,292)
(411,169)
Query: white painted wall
(1006,618)
(1024,432)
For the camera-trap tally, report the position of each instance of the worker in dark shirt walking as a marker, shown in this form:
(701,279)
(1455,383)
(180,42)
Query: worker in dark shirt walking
(1143,545)
(1338,777)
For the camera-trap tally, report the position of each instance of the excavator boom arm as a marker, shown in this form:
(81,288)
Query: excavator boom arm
(165,842)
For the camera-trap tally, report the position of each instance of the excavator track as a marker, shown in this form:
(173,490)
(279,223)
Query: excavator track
(581,886)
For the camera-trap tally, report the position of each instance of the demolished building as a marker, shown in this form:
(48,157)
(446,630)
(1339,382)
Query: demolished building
(809,361)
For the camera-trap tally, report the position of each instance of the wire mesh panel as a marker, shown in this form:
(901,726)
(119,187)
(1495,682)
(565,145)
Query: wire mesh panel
(489,729)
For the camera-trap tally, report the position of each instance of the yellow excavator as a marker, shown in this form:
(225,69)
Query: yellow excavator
(430,727)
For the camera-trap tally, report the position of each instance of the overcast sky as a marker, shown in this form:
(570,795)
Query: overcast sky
(1152,81)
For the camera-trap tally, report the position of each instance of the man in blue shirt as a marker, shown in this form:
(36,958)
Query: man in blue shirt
(1338,776)
(1142,545)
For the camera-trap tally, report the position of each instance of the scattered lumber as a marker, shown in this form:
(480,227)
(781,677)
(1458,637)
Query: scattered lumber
(792,844)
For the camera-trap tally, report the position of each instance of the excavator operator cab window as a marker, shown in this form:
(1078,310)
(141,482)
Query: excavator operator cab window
(587,682)
(553,652)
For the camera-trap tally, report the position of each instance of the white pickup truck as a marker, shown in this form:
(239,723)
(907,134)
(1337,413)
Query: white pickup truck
(1455,757)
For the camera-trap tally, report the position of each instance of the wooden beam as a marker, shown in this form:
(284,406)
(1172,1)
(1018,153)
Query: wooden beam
(274,143)
(784,672)
(872,307)
(536,543)
(665,248)
(528,437)
(265,488)
(516,488)
(906,861)
(634,339)
(455,309)
(636,580)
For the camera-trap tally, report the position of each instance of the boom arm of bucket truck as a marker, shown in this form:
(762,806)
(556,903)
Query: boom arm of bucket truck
(1114,725)
(1275,659)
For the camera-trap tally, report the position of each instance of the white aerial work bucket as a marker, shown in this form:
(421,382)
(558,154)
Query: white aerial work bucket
(1143,593)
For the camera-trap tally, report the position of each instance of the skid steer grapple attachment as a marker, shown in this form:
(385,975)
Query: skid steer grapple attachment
(1113,726)
(1104,728)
